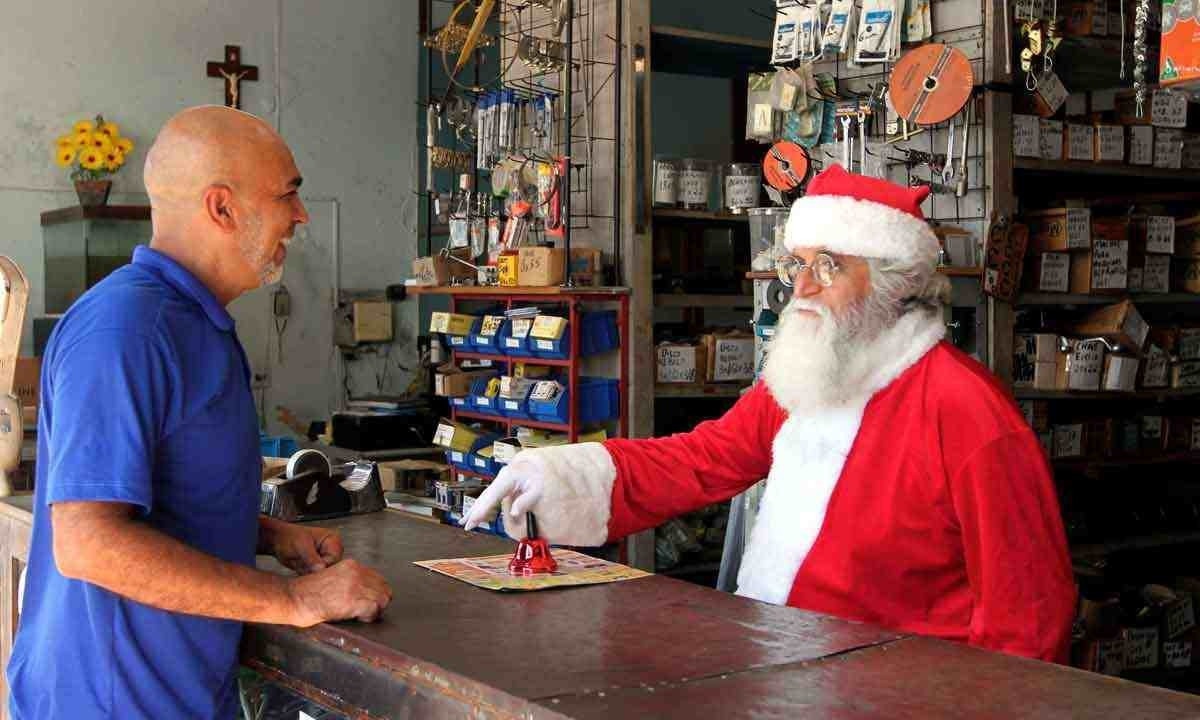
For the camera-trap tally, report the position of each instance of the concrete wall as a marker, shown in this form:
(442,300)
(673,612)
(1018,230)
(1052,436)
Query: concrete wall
(339,80)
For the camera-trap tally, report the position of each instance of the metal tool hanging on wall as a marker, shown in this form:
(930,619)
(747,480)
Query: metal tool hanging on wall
(787,168)
(1140,55)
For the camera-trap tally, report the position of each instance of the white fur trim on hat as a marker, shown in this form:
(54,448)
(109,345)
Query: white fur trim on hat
(847,226)
(576,495)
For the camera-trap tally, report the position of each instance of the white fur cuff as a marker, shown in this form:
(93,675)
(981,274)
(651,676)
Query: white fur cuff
(576,498)
(847,226)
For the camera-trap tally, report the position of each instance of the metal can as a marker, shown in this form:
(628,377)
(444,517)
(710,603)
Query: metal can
(695,183)
(666,182)
(743,184)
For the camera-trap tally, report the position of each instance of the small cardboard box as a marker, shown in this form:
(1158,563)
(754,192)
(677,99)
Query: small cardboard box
(1082,368)
(1156,368)
(1185,275)
(1154,233)
(1141,648)
(453,381)
(1034,352)
(1191,151)
(1081,142)
(27,380)
(1185,374)
(1060,230)
(730,357)
(1177,654)
(541,266)
(1110,143)
(681,363)
(1051,272)
(1121,323)
(437,270)
(1026,136)
(1104,656)
(372,321)
(1120,373)
(1104,270)
(1156,274)
(1141,145)
(1050,139)
(508,268)
(1098,437)
(454,436)
(1168,148)
(451,323)
(1187,237)
(1068,441)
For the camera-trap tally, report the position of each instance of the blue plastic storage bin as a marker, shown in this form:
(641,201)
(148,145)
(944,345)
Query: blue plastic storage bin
(280,447)
(488,343)
(514,346)
(516,407)
(462,460)
(598,402)
(485,465)
(598,334)
(463,342)
(478,399)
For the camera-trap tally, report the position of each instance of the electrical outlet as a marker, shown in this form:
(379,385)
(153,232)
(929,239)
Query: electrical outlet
(260,380)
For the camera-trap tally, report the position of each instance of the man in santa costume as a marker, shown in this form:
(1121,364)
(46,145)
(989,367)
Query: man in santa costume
(904,487)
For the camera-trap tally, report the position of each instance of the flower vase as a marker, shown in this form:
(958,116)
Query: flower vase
(93,193)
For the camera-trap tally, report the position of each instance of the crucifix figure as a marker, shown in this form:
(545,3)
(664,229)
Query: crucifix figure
(233,71)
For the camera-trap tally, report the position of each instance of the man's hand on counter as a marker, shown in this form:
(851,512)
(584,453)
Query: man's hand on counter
(346,590)
(303,549)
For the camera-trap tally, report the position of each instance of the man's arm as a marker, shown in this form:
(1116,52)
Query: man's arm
(103,543)
(301,548)
(1015,550)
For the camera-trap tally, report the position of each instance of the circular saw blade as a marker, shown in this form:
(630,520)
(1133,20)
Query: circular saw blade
(931,84)
(306,461)
(787,166)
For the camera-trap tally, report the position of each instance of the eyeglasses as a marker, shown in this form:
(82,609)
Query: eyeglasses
(824,269)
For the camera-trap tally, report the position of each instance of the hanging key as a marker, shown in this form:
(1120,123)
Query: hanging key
(960,187)
(862,142)
(948,170)
(846,143)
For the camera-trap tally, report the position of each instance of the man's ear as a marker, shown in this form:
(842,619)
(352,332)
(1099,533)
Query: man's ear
(218,205)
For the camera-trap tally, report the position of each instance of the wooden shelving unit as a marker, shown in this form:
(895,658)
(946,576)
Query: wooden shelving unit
(705,390)
(1156,395)
(698,216)
(101,212)
(1082,167)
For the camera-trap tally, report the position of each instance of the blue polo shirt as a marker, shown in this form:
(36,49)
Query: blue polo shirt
(146,400)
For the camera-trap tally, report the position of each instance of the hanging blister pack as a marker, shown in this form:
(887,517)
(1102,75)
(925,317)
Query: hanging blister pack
(878,38)
(839,28)
(762,119)
(808,38)
(918,25)
(786,48)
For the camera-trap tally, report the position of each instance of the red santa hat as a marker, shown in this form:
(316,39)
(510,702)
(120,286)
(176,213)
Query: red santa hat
(864,216)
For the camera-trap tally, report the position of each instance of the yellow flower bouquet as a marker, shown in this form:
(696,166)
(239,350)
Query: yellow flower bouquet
(94,150)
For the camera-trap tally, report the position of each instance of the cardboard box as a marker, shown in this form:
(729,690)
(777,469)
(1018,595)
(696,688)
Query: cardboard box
(1082,368)
(455,436)
(1034,358)
(1081,142)
(453,381)
(541,266)
(1104,270)
(508,268)
(1068,441)
(1081,18)
(1128,437)
(438,270)
(1155,234)
(680,363)
(1120,373)
(1185,374)
(372,321)
(1141,648)
(1121,323)
(451,323)
(1185,275)
(730,357)
(1110,143)
(1156,368)
(1051,272)
(1050,139)
(1060,230)
(1187,237)
(27,381)
(1168,148)
(1177,654)
(415,477)
(1104,656)
(1141,145)
(1156,274)
(1037,414)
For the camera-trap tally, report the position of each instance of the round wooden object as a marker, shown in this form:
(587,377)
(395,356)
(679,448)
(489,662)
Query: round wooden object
(787,166)
(931,84)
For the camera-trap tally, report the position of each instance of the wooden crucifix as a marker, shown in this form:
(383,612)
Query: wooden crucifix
(234,73)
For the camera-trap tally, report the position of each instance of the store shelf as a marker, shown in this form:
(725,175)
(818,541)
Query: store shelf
(467,291)
(698,216)
(511,422)
(692,569)
(1082,167)
(464,355)
(679,300)
(1158,395)
(1086,465)
(1143,542)
(712,390)
(947,271)
(100,212)
(1140,298)
(472,473)
(693,52)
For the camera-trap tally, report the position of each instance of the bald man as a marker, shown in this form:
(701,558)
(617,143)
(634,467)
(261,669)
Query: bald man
(146,524)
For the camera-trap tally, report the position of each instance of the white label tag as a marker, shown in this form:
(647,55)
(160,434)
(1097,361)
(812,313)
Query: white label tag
(545,390)
(1157,369)
(458,340)
(1152,427)
(1156,276)
(512,405)
(693,186)
(741,191)
(1110,656)
(545,344)
(1082,142)
(1050,139)
(1068,440)
(1181,617)
(1086,361)
(666,183)
(1110,264)
(1160,234)
(443,435)
(1141,648)
(1079,228)
(734,360)
(1111,142)
(456,456)
(1177,653)
(1168,109)
(1141,145)
(1025,136)
(1056,272)
(1052,92)
(1168,149)
(1189,344)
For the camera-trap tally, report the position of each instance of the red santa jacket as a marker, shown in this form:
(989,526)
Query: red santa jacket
(930,509)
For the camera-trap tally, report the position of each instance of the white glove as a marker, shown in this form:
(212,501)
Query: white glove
(567,487)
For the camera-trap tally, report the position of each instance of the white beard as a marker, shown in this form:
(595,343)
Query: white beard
(259,257)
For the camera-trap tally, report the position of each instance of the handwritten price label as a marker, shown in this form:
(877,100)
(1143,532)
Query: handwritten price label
(1141,145)
(1111,142)
(1050,139)
(676,364)
(1082,142)
(1160,234)
(1087,361)
(1056,272)
(1110,264)
(1068,440)
(1025,136)
(1156,275)
(1168,109)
